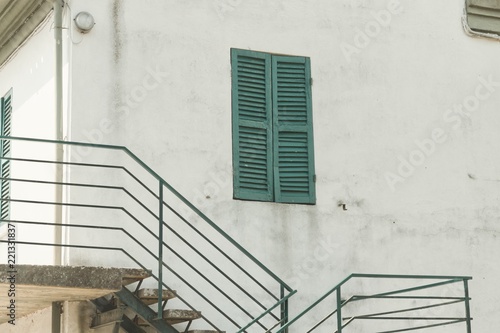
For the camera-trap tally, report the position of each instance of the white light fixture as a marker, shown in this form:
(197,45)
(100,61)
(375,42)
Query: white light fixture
(84,21)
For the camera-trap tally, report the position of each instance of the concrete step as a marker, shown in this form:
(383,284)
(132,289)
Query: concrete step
(149,296)
(175,316)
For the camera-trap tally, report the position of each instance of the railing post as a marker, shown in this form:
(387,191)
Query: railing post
(467,305)
(339,313)
(284,309)
(160,253)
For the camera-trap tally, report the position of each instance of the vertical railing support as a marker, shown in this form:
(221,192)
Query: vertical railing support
(339,311)
(284,309)
(467,305)
(160,253)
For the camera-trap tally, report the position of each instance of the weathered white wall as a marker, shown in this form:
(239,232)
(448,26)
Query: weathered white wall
(155,77)
(31,76)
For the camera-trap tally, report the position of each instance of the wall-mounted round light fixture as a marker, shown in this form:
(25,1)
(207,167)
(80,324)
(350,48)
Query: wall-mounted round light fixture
(84,21)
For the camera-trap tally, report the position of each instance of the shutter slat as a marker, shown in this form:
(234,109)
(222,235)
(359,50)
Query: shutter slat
(252,125)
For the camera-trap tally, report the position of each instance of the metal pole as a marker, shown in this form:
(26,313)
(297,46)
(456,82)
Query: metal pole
(467,306)
(160,254)
(58,22)
(284,309)
(339,309)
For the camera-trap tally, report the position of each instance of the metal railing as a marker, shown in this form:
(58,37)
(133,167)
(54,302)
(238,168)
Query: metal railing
(233,278)
(335,318)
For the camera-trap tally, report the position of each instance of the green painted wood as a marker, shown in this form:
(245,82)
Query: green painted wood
(484,15)
(252,125)
(293,130)
(5,151)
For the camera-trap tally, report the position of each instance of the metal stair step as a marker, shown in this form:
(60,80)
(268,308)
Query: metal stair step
(107,318)
(175,316)
(149,296)
(116,321)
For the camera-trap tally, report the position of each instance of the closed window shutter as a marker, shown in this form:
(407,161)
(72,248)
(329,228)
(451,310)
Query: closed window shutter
(293,135)
(6,127)
(252,125)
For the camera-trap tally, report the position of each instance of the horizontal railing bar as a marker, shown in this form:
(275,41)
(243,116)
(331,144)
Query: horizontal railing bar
(407,309)
(107,248)
(32,160)
(281,301)
(410,277)
(425,326)
(39,202)
(94,165)
(168,186)
(361,297)
(222,252)
(84,206)
(425,286)
(47,182)
(411,318)
(109,187)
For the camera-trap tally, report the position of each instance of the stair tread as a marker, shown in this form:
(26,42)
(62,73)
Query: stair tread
(175,316)
(205,331)
(149,296)
(107,318)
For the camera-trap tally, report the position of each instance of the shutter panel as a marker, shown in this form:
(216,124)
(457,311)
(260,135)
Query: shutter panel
(252,125)
(293,135)
(6,127)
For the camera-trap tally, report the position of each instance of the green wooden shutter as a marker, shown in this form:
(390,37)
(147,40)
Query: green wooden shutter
(293,135)
(5,149)
(252,125)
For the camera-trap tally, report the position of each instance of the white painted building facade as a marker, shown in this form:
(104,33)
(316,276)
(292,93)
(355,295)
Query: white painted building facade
(405,109)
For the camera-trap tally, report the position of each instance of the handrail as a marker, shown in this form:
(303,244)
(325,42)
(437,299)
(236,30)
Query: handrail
(282,301)
(166,184)
(341,303)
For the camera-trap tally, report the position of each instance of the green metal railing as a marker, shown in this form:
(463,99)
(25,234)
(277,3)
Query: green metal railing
(273,305)
(336,319)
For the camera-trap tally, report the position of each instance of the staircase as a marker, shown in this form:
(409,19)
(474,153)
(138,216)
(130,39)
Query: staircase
(208,268)
(114,192)
(130,312)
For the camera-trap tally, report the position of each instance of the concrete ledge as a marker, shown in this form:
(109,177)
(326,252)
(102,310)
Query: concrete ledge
(36,287)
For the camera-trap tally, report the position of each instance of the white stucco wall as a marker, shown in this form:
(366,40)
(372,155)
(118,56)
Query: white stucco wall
(155,77)
(375,100)
(31,76)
